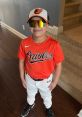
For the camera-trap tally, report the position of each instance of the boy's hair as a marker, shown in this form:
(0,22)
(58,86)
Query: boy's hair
(39,12)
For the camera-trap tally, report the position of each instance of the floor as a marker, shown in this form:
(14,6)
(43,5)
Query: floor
(75,34)
(13,95)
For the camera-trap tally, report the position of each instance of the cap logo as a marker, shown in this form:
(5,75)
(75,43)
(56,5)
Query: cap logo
(38,11)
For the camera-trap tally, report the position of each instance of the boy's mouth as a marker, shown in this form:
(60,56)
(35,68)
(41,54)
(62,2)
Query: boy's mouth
(37,30)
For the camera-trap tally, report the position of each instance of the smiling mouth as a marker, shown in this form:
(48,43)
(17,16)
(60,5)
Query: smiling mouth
(37,30)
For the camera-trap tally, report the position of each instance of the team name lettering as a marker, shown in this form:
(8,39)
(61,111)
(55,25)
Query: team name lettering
(38,57)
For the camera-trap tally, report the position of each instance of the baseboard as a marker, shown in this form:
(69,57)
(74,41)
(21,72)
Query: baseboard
(75,93)
(13,30)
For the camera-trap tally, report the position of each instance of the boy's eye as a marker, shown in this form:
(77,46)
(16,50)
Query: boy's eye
(31,23)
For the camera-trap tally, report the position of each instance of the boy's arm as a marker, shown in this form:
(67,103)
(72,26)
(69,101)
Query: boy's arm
(22,74)
(56,77)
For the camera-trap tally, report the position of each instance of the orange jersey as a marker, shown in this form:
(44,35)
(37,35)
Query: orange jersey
(40,58)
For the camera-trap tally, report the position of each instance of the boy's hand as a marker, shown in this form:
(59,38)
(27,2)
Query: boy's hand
(24,83)
(57,75)
(52,86)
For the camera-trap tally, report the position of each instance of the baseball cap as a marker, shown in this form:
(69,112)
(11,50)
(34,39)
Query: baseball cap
(38,12)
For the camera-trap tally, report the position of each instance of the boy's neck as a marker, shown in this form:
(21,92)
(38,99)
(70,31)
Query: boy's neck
(39,39)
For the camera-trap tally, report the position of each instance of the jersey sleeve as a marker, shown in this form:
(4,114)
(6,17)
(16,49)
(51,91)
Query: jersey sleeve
(21,51)
(58,54)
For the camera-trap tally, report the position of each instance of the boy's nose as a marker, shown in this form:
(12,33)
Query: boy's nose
(36,25)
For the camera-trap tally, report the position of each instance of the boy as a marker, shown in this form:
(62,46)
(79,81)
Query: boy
(39,57)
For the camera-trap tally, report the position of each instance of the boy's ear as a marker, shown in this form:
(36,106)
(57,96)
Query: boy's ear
(47,25)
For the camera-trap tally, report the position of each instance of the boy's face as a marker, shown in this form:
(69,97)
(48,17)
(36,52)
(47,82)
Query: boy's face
(38,26)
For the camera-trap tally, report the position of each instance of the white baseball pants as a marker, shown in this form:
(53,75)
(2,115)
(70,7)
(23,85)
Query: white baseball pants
(42,86)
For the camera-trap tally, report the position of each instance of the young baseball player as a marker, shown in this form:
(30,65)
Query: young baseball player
(39,57)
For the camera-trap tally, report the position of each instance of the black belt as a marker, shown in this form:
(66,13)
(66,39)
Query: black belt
(38,79)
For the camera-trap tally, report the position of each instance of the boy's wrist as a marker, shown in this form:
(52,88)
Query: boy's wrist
(55,81)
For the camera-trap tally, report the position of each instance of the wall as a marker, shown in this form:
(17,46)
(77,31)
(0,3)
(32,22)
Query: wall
(14,12)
